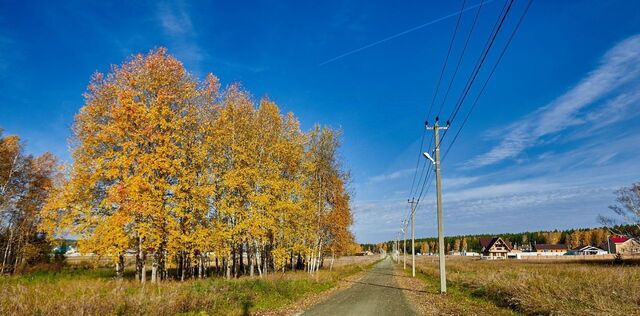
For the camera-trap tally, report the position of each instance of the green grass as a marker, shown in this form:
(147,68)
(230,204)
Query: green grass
(66,274)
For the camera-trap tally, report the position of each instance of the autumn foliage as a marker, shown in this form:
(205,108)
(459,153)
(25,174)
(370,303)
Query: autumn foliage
(25,182)
(192,178)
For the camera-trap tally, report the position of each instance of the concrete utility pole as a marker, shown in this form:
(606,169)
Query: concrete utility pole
(397,249)
(436,162)
(412,204)
(404,249)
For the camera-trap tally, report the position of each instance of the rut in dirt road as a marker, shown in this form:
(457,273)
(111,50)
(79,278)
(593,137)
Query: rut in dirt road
(377,293)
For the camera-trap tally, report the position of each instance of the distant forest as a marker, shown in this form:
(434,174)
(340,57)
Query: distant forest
(572,238)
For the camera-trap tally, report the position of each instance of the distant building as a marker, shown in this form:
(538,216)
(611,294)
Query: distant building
(495,247)
(550,248)
(587,251)
(515,254)
(622,244)
(67,251)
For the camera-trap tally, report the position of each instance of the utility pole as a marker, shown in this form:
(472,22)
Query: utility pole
(412,204)
(397,250)
(441,249)
(404,249)
(398,247)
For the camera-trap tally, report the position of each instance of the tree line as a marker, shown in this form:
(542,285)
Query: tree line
(572,238)
(625,223)
(194,180)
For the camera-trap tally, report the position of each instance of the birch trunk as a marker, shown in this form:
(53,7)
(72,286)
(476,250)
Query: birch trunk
(258,261)
(120,267)
(315,261)
(7,250)
(143,272)
(184,267)
(251,259)
(265,260)
(154,269)
(16,262)
(312,261)
(139,260)
(319,257)
(291,258)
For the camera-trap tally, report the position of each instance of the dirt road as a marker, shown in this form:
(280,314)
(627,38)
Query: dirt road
(377,293)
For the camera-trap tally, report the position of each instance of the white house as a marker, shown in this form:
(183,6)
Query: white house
(586,251)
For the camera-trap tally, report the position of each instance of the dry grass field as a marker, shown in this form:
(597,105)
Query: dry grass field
(81,291)
(545,287)
(351,260)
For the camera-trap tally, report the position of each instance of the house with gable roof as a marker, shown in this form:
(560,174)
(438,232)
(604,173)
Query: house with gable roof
(495,247)
(555,249)
(621,244)
(586,250)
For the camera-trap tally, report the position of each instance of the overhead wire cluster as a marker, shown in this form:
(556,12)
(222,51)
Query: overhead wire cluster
(424,181)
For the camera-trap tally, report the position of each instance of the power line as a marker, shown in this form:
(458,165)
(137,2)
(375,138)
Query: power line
(496,29)
(502,53)
(446,59)
(424,166)
(415,172)
(435,94)
(479,66)
(464,49)
(475,102)
(422,176)
(426,180)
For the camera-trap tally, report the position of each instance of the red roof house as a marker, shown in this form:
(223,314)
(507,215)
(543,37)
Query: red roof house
(618,239)
(621,244)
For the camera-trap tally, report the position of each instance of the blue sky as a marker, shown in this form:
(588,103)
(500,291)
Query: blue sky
(555,132)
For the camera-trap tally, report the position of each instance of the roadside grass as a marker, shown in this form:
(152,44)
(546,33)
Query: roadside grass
(464,296)
(544,288)
(457,301)
(96,292)
(67,273)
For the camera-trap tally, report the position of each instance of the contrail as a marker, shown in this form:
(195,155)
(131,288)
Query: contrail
(351,52)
